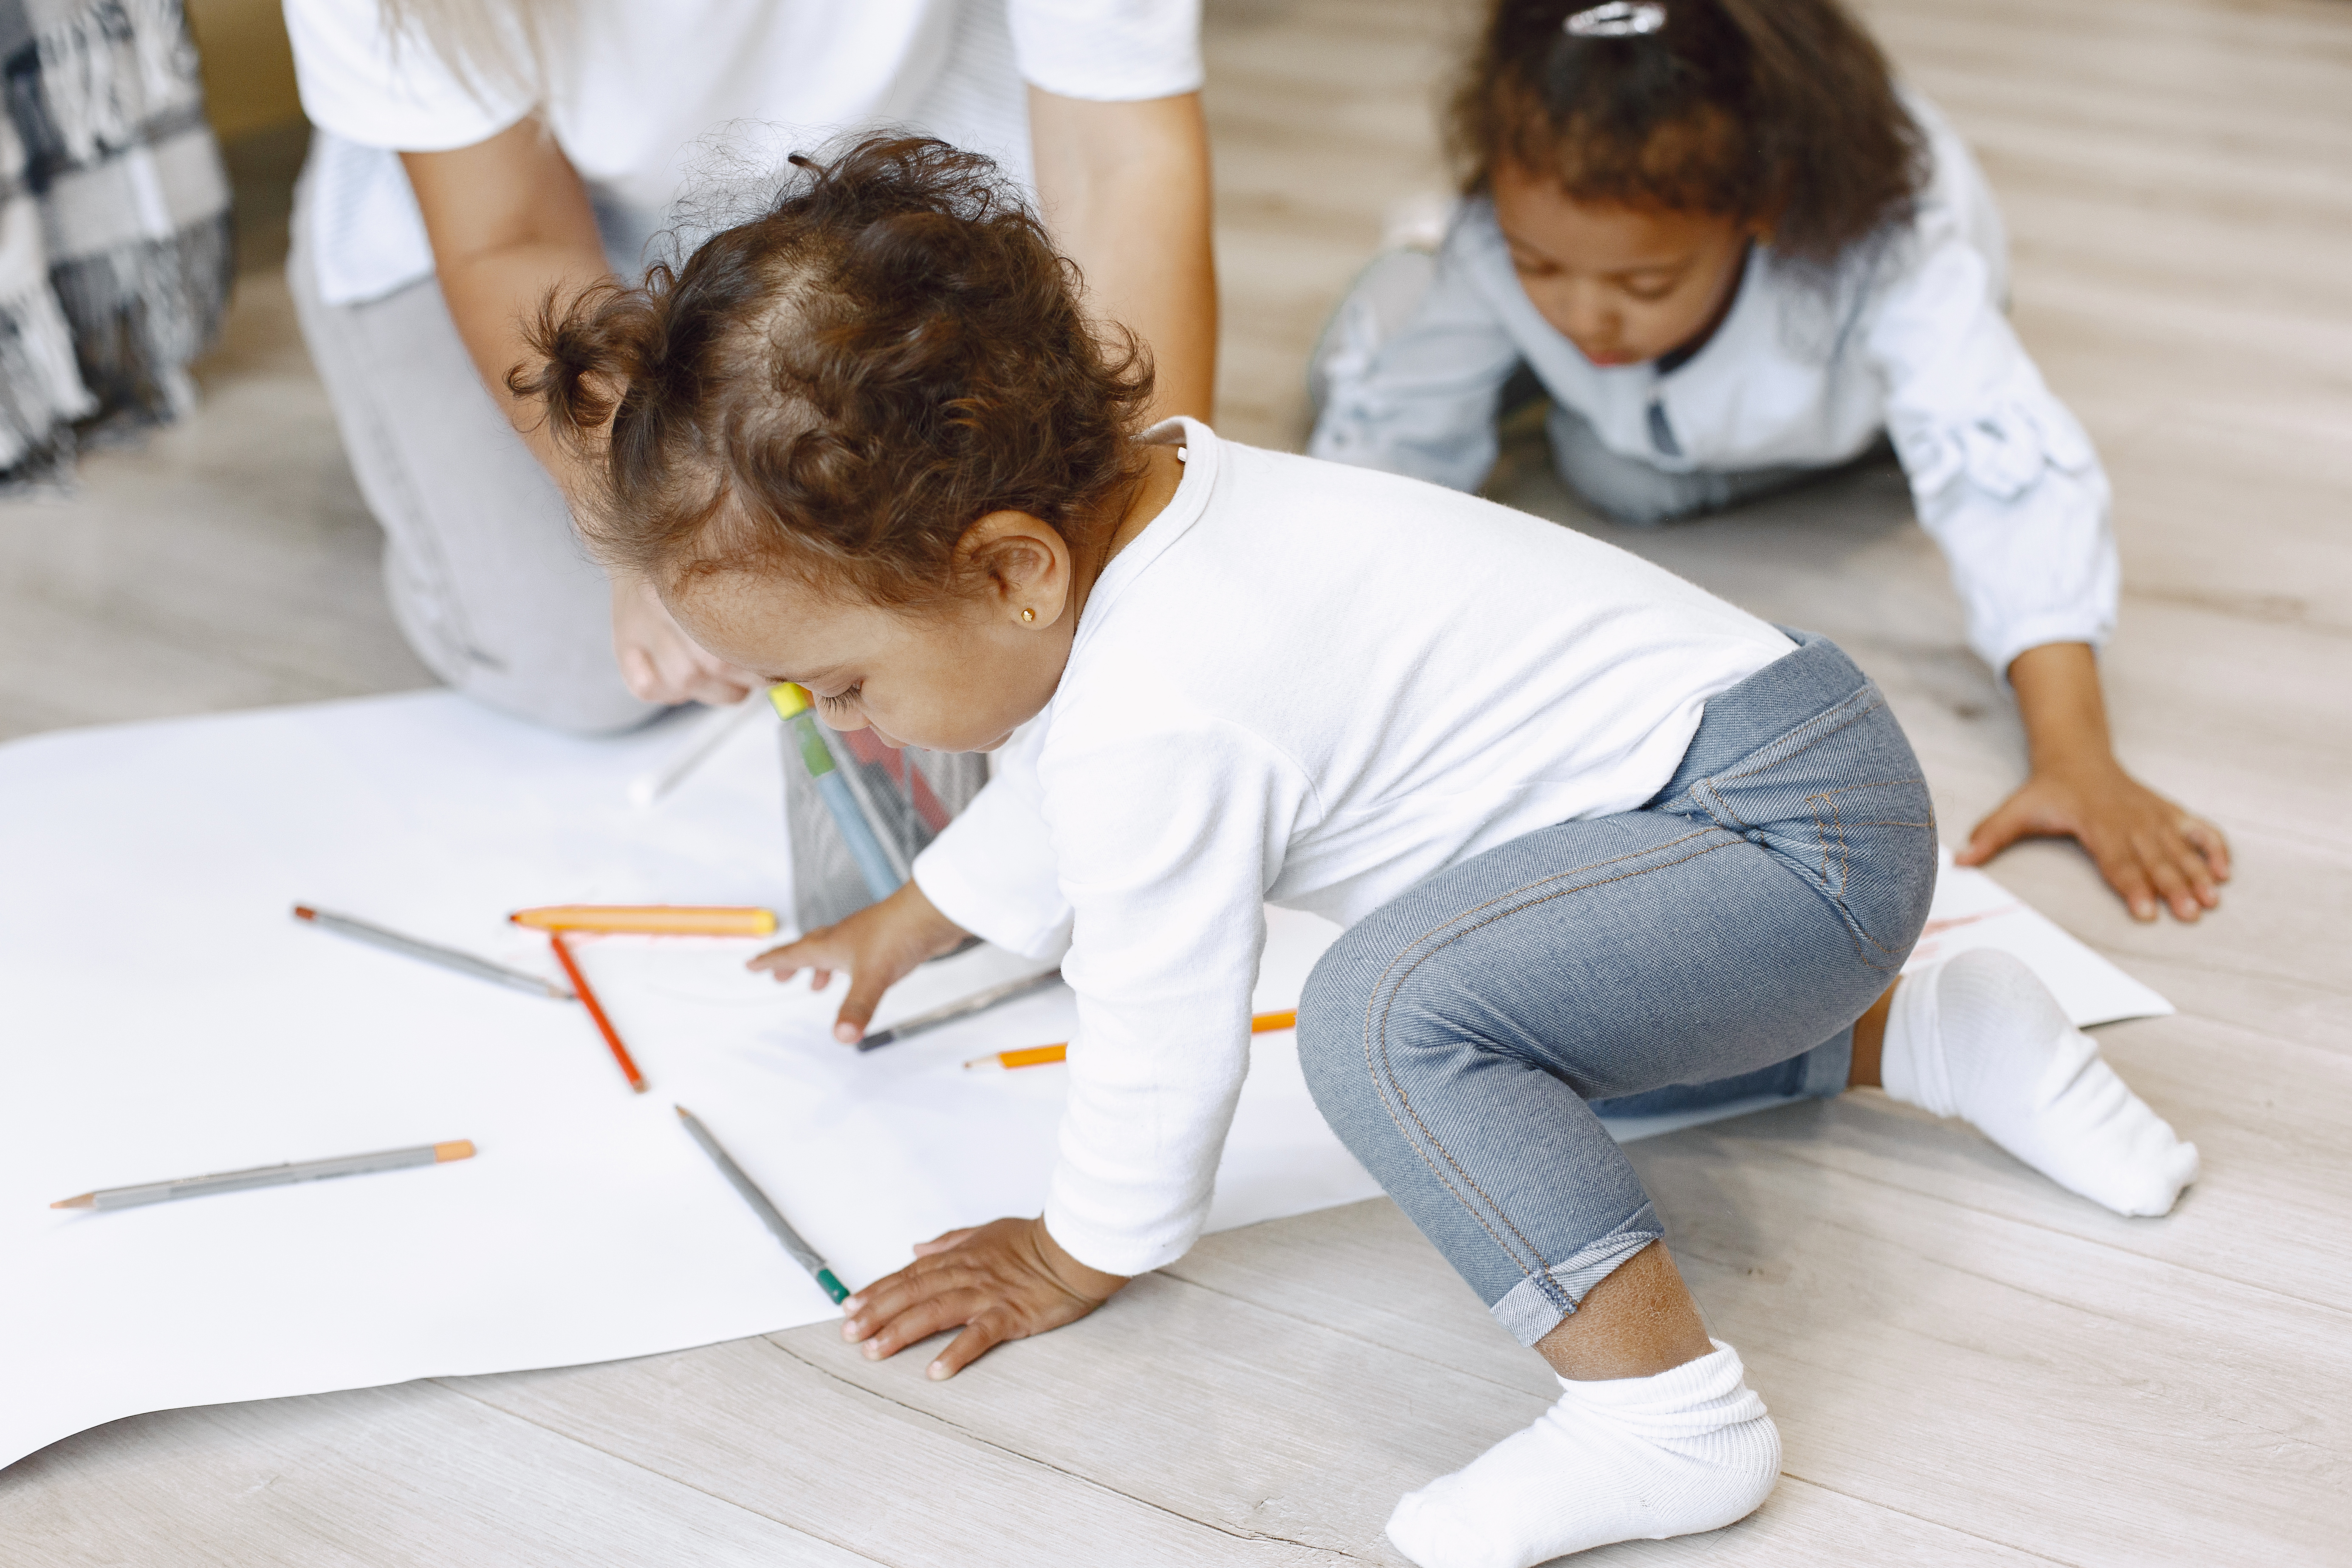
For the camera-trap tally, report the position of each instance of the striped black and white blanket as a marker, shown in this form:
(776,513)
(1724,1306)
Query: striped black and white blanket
(115,245)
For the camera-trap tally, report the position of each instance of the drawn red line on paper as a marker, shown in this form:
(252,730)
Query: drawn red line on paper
(1932,927)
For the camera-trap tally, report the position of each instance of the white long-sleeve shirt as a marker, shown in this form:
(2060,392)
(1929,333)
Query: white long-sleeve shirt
(1905,336)
(1316,686)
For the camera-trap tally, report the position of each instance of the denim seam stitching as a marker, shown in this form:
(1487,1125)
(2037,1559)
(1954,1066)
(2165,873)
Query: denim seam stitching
(1854,922)
(1384,1074)
(1849,722)
(1555,877)
(1720,808)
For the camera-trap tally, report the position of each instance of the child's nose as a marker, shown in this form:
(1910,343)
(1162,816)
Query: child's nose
(1593,321)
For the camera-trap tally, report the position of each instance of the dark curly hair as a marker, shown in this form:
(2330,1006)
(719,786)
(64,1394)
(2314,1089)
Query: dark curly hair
(1780,112)
(837,388)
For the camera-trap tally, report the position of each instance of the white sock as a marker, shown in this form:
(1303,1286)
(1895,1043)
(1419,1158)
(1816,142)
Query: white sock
(1980,1037)
(1632,1458)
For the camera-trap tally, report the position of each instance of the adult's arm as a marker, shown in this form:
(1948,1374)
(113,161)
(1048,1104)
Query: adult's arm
(508,219)
(1125,188)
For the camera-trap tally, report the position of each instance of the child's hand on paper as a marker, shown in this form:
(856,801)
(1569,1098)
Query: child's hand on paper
(878,946)
(1004,1280)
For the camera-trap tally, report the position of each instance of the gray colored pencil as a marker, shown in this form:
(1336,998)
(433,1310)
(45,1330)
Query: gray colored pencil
(446,957)
(271,1176)
(803,1253)
(980,1002)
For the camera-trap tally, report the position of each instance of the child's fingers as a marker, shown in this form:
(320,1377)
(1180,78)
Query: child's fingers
(871,1309)
(2190,861)
(784,962)
(2004,827)
(946,1241)
(2127,877)
(2212,846)
(980,1336)
(949,1310)
(2171,886)
(865,990)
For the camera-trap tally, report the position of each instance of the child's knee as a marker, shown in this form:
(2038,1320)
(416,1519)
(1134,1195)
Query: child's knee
(1365,1032)
(1332,1008)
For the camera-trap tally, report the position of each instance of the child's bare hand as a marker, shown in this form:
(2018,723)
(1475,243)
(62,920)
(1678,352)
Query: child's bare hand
(2149,850)
(1003,1281)
(878,946)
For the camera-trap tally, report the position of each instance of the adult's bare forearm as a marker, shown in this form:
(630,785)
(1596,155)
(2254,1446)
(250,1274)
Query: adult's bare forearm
(1126,189)
(509,221)
(491,298)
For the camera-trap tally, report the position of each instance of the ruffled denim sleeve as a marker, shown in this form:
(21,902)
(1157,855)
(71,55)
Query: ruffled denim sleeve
(1411,387)
(2001,474)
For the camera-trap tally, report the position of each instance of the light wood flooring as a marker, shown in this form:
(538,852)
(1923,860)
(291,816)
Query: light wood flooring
(1968,1365)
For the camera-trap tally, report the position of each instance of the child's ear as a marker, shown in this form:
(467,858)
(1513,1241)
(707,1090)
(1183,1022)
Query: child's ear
(1026,563)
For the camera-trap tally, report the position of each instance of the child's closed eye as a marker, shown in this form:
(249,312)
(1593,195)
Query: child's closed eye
(847,698)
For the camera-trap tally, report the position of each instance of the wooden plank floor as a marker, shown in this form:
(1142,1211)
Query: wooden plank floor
(1968,1364)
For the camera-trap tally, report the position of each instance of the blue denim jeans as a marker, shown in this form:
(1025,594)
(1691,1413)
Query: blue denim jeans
(1725,935)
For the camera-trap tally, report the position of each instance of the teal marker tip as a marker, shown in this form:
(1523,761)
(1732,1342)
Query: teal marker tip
(833,1286)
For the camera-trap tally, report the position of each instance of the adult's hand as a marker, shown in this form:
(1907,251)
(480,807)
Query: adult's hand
(879,945)
(1003,1281)
(662,664)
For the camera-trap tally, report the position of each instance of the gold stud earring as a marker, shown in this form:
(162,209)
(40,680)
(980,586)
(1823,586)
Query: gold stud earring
(1028,617)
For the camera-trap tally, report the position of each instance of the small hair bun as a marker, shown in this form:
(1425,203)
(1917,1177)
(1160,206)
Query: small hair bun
(1617,20)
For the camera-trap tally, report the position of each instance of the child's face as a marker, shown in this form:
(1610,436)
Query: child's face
(1623,284)
(957,677)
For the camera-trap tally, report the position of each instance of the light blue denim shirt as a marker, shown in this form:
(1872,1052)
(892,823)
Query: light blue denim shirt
(1906,336)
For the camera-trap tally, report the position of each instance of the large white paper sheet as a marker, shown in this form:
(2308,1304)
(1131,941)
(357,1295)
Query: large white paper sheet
(165,1017)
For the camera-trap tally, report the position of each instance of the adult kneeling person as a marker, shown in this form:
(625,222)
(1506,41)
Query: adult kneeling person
(469,154)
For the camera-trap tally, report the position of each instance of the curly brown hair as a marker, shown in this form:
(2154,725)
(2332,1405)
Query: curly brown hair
(839,387)
(1777,111)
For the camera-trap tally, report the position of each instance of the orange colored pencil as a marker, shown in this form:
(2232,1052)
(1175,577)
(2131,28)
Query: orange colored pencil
(650,919)
(596,1011)
(1040,1055)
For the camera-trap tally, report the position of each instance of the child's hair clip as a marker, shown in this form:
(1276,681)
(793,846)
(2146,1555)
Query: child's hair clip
(1615,20)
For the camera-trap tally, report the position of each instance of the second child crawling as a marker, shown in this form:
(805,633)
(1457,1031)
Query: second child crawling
(1568,806)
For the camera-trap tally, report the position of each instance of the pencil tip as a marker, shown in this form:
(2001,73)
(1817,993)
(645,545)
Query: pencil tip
(305,912)
(88,1200)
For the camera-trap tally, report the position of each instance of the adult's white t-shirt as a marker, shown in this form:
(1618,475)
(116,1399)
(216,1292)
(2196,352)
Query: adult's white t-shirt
(640,94)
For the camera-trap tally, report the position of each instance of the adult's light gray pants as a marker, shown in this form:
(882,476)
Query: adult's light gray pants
(485,578)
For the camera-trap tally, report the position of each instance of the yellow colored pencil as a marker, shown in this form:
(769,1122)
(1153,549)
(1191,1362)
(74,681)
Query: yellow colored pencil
(1040,1055)
(650,919)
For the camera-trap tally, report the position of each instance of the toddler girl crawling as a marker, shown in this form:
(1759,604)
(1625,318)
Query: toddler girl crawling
(1591,831)
(1736,255)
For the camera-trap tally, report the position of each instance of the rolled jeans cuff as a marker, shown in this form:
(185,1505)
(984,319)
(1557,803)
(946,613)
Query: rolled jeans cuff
(1828,1066)
(1535,1305)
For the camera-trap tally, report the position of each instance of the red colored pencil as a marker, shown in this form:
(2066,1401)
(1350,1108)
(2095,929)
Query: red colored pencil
(596,1011)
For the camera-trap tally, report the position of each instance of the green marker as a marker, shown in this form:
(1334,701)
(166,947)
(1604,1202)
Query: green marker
(840,790)
(803,1253)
